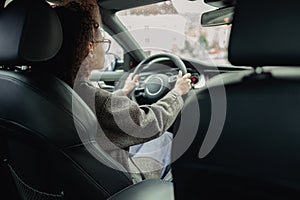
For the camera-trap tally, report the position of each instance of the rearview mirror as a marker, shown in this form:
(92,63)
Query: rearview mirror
(222,16)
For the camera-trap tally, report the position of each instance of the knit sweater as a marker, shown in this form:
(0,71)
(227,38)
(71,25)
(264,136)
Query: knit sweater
(123,123)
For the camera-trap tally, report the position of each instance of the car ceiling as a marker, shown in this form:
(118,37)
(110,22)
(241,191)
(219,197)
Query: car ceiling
(123,4)
(116,5)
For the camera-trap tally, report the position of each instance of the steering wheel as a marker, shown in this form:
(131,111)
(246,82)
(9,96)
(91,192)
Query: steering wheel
(156,86)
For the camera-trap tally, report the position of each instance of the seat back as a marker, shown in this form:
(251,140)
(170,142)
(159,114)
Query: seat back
(255,156)
(43,156)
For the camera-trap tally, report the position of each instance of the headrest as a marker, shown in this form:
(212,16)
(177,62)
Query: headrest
(265,33)
(30,31)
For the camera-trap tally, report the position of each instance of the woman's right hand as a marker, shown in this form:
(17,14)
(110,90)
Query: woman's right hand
(183,84)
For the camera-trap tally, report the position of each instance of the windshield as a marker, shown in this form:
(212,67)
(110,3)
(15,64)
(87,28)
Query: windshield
(175,27)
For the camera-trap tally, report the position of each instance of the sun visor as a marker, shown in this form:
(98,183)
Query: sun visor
(30,31)
(265,33)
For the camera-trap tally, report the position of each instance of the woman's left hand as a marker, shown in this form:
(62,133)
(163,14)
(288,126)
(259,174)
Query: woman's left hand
(130,84)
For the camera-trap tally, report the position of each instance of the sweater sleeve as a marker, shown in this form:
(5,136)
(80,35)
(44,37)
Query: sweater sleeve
(126,123)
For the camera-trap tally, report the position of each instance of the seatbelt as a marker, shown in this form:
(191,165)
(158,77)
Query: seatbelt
(140,171)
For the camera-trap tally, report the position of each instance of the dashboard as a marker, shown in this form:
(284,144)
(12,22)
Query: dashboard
(201,73)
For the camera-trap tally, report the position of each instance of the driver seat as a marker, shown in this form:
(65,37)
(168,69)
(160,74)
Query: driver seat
(42,154)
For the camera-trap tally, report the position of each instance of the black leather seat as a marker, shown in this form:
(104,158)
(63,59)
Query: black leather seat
(42,152)
(257,153)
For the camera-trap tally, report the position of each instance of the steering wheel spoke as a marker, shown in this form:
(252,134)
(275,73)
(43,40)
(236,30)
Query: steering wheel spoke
(139,94)
(172,79)
(140,88)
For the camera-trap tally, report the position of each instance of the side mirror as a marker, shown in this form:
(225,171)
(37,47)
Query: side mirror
(221,16)
(111,61)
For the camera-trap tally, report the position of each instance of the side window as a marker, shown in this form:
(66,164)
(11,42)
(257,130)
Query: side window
(114,58)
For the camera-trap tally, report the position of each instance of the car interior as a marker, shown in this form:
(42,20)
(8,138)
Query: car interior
(240,142)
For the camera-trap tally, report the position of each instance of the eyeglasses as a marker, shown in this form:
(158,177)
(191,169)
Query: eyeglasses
(105,44)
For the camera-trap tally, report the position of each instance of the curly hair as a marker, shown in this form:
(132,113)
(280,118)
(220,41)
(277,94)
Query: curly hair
(78,24)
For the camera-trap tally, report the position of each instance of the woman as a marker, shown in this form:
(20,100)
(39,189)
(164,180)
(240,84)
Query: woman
(123,122)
